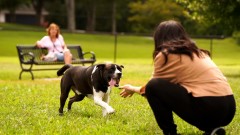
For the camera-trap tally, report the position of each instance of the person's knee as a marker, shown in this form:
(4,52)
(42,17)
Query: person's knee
(67,54)
(154,86)
(151,86)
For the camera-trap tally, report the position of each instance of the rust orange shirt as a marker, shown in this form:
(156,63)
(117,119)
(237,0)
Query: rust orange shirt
(200,76)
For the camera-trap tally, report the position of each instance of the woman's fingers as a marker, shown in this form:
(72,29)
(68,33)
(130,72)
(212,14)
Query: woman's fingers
(126,93)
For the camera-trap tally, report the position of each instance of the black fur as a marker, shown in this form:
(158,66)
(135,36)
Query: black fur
(63,69)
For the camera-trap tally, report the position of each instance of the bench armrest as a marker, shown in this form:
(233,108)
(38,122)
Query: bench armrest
(89,53)
(27,58)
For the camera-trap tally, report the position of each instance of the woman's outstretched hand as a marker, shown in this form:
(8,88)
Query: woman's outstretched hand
(128,90)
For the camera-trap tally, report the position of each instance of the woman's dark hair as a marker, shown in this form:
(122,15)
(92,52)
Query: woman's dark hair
(171,37)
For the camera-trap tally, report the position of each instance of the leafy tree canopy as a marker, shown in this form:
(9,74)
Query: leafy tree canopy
(147,14)
(218,13)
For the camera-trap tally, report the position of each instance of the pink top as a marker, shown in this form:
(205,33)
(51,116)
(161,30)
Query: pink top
(53,47)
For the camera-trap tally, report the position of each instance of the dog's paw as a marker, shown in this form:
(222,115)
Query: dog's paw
(108,114)
(108,111)
(111,111)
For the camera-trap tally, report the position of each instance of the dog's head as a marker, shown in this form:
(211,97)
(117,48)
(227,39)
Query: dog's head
(110,73)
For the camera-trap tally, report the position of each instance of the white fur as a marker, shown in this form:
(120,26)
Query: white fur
(78,92)
(102,99)
(117,71)
(94,69)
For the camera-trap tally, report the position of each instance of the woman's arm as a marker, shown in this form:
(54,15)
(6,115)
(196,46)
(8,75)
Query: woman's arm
(62,42)
(38,44)
(42,43)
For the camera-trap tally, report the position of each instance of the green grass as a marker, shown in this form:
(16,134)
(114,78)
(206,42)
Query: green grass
(19,27)
(31,107)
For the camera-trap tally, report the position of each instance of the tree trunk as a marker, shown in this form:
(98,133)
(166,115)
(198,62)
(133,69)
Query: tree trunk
(12,15)
(70,7)
(38,6)
(91,18)
(114,24)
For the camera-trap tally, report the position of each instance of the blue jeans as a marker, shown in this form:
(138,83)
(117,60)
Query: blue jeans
(60,56)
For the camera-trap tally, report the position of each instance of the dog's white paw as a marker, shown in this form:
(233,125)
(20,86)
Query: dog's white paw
(111,111)
(107,111)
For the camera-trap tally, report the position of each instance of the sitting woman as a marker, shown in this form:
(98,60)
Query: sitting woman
(54,42)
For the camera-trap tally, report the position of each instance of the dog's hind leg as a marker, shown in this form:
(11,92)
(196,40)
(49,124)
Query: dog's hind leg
(75,98)
(65,89)
(63,99)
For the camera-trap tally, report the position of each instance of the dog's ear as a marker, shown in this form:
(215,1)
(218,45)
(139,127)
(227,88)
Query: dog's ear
(101,66)
(121,66)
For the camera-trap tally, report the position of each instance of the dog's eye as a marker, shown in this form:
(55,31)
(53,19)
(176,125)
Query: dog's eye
(119,68)
(111,71)
(120,75)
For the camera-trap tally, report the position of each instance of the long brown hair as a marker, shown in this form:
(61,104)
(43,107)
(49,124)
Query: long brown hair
(171,37)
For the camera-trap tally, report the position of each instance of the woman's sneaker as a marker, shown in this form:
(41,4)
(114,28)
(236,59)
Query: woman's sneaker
(216,131)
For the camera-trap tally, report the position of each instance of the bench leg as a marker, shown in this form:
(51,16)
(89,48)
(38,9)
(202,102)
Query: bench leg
(26,70)
(20,75)
(32,75)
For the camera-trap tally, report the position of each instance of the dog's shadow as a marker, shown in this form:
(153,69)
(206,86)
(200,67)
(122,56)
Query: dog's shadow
(84,113)
(79,113)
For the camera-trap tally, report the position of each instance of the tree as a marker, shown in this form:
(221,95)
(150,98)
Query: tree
(114,24)
(38,7)
(57,12)
(86,14)
(148,13)
(11,6)
(122,15)
(70,7)
(221,14)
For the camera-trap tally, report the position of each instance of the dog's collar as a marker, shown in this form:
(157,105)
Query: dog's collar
(94,69)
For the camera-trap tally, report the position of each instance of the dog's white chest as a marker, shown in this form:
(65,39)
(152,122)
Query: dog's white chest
(90,96)
(108,91)
(99,94)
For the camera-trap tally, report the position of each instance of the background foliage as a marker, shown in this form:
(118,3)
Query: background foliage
(222,15)
(204,17)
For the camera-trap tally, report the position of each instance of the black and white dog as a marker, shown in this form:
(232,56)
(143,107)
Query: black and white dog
(94,82)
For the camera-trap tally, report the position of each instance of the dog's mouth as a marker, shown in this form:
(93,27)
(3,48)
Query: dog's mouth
(114,82)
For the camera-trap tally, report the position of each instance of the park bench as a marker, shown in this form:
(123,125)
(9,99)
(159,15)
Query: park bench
(30,55)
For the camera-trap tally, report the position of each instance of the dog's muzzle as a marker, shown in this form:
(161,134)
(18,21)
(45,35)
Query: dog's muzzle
(115,80)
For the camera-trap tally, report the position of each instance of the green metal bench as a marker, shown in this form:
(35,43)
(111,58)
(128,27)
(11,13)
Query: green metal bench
(30,55)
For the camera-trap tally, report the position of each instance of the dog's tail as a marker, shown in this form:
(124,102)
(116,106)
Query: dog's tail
(63,69)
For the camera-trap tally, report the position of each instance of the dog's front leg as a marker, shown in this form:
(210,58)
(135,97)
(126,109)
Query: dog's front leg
(98,99)
(106,99)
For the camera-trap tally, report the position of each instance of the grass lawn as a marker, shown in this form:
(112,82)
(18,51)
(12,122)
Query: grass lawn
(31,107)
